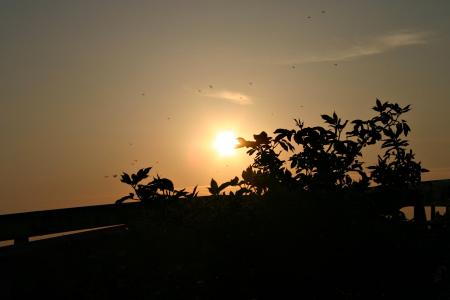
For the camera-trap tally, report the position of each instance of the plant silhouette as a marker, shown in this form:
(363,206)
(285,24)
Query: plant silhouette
(312,159)
(156,190)
(328,158)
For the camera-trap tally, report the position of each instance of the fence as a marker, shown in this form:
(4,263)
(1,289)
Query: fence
(21,226)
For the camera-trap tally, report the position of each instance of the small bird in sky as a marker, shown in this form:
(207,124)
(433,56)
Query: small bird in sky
(135,160)
(309,17)
(323,11)
(115,175)
(293,66)
(335,65)
(130,144)
(143,94)
(210,86)
(106,176)
(168,118)
(199,90)
(250,83)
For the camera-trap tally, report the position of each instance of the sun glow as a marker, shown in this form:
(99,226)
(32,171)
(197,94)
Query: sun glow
(225,143)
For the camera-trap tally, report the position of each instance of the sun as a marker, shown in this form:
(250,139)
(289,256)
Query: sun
(225,143)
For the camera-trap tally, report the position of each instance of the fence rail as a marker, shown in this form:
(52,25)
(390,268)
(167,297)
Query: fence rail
(21,226)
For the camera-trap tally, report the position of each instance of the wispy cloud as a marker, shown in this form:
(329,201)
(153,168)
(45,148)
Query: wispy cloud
(372,46)
(234,97)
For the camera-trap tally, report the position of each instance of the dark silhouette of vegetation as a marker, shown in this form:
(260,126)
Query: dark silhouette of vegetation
(317,159)
(330,158)
(159,189)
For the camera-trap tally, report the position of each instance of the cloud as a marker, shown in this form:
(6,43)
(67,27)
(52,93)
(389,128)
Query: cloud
(373,46)
(234,97)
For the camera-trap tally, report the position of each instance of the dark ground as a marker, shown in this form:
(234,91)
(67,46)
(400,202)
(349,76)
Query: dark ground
(291,250)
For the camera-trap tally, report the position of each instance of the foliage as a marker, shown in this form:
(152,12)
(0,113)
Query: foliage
(311,159)
(327,158)
(215,189)
(396,168)
(157,189)
(267,171)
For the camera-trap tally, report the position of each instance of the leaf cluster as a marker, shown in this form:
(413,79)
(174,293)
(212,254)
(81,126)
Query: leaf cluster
(156,190)
(330,157)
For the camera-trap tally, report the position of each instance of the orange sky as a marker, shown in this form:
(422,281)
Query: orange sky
(88,87)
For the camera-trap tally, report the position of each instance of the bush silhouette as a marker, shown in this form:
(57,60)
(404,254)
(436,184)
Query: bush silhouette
(329,158)
(319,159)
(156,190)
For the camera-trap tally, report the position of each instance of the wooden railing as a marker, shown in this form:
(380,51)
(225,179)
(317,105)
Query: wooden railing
(433,193)
(21,226)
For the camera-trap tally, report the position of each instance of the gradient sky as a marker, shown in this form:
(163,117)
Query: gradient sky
(88,87)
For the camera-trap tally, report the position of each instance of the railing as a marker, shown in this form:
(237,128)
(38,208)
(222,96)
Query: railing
(433,193)
(21,226)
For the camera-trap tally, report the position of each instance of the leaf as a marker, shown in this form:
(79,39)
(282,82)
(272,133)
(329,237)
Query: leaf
(406,129)
(378,107)
(126,179)
(284,146)
(234,181)
(335,117)
(399,130)
(342,126)
(224,186)
(282,131)
(384,117)
(214,189)
(388,132)
(134,179)
(241,143)
(194,191)
(162,184)
(298,137)
(328,119)
(406,108)
(140,175)
(261,138)
(165,184)
(143,173)
(396,108)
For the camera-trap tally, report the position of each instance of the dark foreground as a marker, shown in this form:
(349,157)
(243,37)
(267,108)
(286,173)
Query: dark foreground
(284,249)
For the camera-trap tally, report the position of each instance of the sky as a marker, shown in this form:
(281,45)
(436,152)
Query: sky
(90,89)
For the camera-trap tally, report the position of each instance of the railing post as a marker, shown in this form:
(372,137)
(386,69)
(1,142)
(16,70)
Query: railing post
(433,212)
(419,209)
